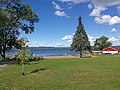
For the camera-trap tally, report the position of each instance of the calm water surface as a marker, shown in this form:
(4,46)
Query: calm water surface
(46,51)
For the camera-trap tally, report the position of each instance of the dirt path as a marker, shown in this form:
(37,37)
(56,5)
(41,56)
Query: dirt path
(2,66)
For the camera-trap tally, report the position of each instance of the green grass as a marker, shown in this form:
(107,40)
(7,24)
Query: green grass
(99,73)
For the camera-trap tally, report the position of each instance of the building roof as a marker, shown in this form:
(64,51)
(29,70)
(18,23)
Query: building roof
(116,48)
(111,48)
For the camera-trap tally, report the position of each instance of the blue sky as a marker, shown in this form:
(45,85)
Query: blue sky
(59,19)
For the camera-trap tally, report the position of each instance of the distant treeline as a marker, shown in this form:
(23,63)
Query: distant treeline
(37,48)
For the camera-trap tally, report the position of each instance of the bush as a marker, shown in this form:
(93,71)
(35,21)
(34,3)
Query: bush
(25,56)
(87,56)
(32,58)
(1,58)
(14,58)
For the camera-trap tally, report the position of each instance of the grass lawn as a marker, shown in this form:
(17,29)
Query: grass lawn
(98,73)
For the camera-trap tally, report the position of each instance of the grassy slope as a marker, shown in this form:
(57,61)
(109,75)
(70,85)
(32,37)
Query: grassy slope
(100,73)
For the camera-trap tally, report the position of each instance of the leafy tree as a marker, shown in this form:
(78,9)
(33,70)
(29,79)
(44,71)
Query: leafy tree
(80,39)
(14,18)
(101,43)
(23,52)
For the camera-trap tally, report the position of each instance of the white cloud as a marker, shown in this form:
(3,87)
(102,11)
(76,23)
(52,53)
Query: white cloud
(95,2)
(70,41)
(90,6)
(60,13)
(57,7)
(100,6)
(92,39)
(74,1)
(59,45)
(35,42)
(103,19)
(113,39)
(67,37)
(28,44)
(114,20)
(108,20)
(97,10)
(106,2)
(113,30)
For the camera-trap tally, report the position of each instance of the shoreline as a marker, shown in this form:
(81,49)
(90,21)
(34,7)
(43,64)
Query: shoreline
(68,56)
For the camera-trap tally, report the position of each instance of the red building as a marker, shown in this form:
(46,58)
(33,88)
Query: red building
(111,50)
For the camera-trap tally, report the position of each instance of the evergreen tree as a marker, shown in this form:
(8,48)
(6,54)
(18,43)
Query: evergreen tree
(80,39)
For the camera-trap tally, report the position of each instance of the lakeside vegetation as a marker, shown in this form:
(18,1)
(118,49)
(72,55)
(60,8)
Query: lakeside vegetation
(98,73)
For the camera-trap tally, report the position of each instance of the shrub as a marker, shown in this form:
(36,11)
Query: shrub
(1,58)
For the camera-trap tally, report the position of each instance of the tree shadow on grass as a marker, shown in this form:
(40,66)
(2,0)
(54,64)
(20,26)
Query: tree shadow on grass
(36,70)
(25,63)
(28,63)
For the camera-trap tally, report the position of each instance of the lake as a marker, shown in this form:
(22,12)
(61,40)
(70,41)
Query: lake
(47,51)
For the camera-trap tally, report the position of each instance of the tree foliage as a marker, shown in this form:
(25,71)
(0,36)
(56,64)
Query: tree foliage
(101,43)
(23,52)
(14,18)
(80,39)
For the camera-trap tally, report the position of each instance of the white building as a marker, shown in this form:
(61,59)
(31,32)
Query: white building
(111,50)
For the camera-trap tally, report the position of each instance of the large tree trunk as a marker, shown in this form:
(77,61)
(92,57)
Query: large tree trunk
(80,54)
(3,51)
(5,45)
(3,54)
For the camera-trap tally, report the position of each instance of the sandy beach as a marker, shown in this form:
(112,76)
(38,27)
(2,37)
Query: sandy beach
(69,56)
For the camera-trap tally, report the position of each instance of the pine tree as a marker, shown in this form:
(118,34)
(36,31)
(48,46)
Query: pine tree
(80,39)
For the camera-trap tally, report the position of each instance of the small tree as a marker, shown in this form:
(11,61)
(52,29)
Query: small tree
(80,39)
(101,43)
(23,52)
